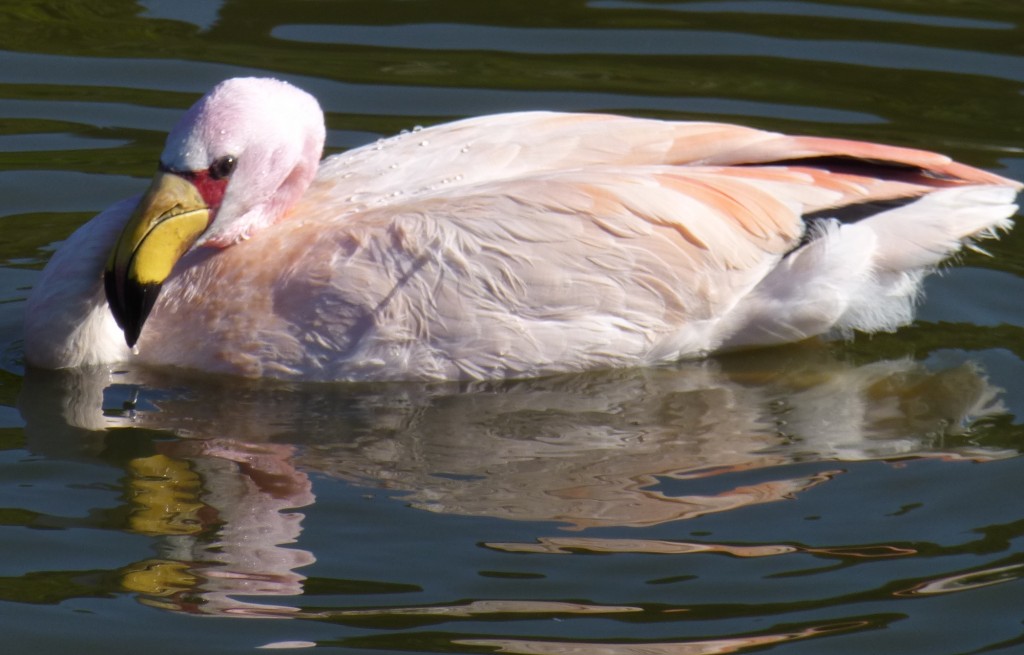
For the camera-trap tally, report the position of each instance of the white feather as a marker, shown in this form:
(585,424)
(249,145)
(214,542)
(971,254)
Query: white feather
(513,245)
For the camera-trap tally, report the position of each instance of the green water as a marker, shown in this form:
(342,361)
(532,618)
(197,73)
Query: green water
(827,497)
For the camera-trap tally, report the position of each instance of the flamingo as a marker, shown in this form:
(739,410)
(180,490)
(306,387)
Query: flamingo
(511,245)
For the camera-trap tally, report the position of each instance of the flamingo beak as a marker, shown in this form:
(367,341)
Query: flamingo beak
(165,224)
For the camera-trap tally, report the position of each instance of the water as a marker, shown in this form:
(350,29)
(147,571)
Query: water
(826,497)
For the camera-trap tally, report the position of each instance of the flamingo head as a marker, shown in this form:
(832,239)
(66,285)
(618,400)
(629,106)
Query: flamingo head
(235,163)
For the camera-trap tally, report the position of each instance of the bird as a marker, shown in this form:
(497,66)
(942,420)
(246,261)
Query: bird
(512,245)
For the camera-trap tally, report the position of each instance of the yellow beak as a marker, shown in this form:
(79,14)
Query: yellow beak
(167,221)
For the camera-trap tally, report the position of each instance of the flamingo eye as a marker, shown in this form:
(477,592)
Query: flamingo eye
(223,168)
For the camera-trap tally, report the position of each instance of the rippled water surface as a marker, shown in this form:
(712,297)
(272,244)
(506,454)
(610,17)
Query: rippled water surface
(827,497)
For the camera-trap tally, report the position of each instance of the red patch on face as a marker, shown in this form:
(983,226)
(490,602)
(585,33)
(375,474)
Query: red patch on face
(212,190)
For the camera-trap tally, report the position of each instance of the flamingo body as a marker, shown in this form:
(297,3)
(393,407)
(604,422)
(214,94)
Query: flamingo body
(513,245)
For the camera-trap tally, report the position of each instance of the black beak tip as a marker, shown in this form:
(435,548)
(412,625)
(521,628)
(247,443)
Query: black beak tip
(131,336)
(130,302)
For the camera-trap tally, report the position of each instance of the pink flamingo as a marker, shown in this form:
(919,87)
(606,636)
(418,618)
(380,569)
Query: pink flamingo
(513,245)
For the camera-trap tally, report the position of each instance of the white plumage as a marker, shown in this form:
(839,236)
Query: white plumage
(514,245)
